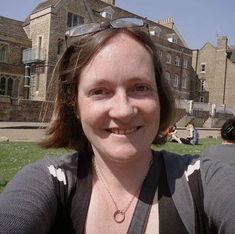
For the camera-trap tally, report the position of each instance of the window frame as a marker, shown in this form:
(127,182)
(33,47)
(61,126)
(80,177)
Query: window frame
(73,23)
(168,58)
(203,68)
(176,81)
(3,53)
(177,60)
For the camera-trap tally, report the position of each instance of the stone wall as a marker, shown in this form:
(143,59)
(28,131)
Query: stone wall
(219,73)
(25,110)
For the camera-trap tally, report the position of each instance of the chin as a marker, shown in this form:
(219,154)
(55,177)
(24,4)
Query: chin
(125,153)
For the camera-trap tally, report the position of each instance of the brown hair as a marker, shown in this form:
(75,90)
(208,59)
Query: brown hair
(65,129)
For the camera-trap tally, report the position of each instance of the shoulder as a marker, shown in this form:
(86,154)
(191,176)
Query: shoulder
(45,171)
(63,168)
(179,172)
(180,166)
(35,190)
(180,162)
(223,153)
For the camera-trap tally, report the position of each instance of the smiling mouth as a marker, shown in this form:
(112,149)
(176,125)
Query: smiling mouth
(119,131)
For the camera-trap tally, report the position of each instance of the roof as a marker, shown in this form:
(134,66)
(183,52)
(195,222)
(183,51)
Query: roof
(45,4)
(97,6)
(12,28)
(41,6)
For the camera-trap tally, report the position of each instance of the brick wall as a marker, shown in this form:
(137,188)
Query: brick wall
(25,110)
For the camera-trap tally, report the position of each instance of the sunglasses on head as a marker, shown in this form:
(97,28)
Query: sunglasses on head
(91,28)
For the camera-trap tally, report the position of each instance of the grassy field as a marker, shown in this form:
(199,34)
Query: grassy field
(15,155)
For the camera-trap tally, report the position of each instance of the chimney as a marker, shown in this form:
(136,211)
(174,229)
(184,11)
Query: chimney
(222,42)
(168,22)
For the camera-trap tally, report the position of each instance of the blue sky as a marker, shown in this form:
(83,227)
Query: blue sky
(198,21)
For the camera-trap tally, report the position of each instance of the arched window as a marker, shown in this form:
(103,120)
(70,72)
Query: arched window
(2,85)
(3,53)
(9,86)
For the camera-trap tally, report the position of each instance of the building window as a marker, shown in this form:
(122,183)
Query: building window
(168,77)
(177,61)
(202,85)
(203,67)
(60,44)
(3,53)
(185,63)
(176,81)
(2,85)
(74,20)
(9,87)
(155,31)
(172,38)
(107,12)
(184,83)
(168,58)
(107,15)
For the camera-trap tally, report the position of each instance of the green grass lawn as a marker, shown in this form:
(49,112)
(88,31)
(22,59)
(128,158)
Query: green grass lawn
(189,149)
(15,155)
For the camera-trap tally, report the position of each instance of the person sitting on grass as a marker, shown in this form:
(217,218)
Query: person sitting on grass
(193,137)
(172,135)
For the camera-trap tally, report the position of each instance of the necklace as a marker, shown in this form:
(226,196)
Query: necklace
(119,215)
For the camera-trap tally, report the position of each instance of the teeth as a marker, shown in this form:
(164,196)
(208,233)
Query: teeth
(123,132)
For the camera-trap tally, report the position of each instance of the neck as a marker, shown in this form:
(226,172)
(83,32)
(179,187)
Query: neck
(124,176)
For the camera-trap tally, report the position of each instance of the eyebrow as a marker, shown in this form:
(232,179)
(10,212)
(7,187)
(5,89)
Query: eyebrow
(103,81)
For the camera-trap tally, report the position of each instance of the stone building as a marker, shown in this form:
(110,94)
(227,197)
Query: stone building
(45,28)
(13,40)
(215,68)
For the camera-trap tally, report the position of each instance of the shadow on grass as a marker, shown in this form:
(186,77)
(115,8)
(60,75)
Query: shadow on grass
(3,184)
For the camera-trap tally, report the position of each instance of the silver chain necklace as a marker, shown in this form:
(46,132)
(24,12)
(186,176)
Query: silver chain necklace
(119,215)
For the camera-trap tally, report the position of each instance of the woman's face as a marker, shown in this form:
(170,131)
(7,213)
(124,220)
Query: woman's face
(118,102)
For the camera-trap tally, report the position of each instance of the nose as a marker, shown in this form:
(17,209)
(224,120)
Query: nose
(122,107)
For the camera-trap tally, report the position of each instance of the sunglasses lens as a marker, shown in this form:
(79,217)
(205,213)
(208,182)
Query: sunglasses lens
(127,22)
(83,29)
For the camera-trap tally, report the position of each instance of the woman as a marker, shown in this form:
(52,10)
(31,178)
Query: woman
(112,101)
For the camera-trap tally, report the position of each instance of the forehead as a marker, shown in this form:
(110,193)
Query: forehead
(121,55)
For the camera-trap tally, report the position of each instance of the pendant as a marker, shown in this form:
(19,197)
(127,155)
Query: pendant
(119,216)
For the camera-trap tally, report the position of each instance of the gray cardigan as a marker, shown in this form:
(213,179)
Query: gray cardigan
(29,202)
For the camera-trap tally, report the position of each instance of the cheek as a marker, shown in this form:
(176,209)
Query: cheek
(154,115)
(91,116)
(153,108)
